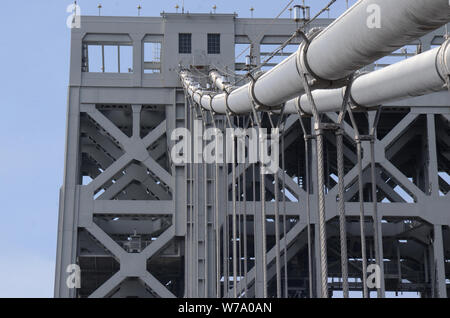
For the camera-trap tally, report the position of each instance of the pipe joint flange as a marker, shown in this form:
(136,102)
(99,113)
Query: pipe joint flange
(200,93)
(229,111)
(302,60)
(354,105)
(211,96)
(303,66)
(299,107)
(259,105)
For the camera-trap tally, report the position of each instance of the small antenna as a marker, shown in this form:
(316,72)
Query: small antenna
(99,9)
(139,7)
(290,13)
(347,3)
(177,7)
(328,12)
(182,7)
(214,8)
(251,11)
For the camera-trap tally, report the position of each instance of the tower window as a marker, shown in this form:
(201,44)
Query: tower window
(213,43)
(184,43)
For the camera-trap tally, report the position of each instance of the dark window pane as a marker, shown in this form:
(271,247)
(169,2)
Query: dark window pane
(214,43)
(184,43)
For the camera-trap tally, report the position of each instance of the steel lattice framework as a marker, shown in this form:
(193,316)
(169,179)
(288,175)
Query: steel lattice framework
(140,226)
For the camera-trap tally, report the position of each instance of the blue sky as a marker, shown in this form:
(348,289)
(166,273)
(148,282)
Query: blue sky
(33,94)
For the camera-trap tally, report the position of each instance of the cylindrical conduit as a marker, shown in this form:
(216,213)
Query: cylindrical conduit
(349,43)
(419,75)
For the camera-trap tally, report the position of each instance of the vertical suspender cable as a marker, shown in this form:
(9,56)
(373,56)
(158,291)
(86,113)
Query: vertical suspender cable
(205,194)
(192,207)
(361,205)
(306,138)
(378,239)
(245,224)
(196,218)
(277,219)
(240,207)
(283,167)
(263,205)
(189,216)
(320,187)
(341,202)
(233,189)
(254,208)
(226,231)
(216,210)
(303,70)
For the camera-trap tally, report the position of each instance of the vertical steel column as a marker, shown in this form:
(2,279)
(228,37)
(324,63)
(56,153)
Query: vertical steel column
(67,229)
(439,259)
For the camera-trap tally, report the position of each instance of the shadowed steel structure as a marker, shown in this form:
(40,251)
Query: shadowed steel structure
(139,225)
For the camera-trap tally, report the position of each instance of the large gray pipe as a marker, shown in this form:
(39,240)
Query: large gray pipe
(342,48)
(419,75)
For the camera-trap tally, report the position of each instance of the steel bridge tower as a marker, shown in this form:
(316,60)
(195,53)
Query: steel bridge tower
(138,225)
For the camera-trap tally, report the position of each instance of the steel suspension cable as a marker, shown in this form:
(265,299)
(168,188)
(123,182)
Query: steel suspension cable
(283,167)
(268,27)
(196,215)
(378,242)
(190,210)
(320,187)
(361,204)
(239,227)
(233,189)
(245,224)
(306,138)
(277,213)
(263,205)
(206,207)
(254,205)
(226,231)
(293,36)
(341,174)
(216,208)
(194,284)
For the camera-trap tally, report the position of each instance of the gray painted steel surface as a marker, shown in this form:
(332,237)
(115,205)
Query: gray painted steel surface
(121,188)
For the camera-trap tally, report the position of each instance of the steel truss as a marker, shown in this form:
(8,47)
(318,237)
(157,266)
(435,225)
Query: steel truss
(140,226)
